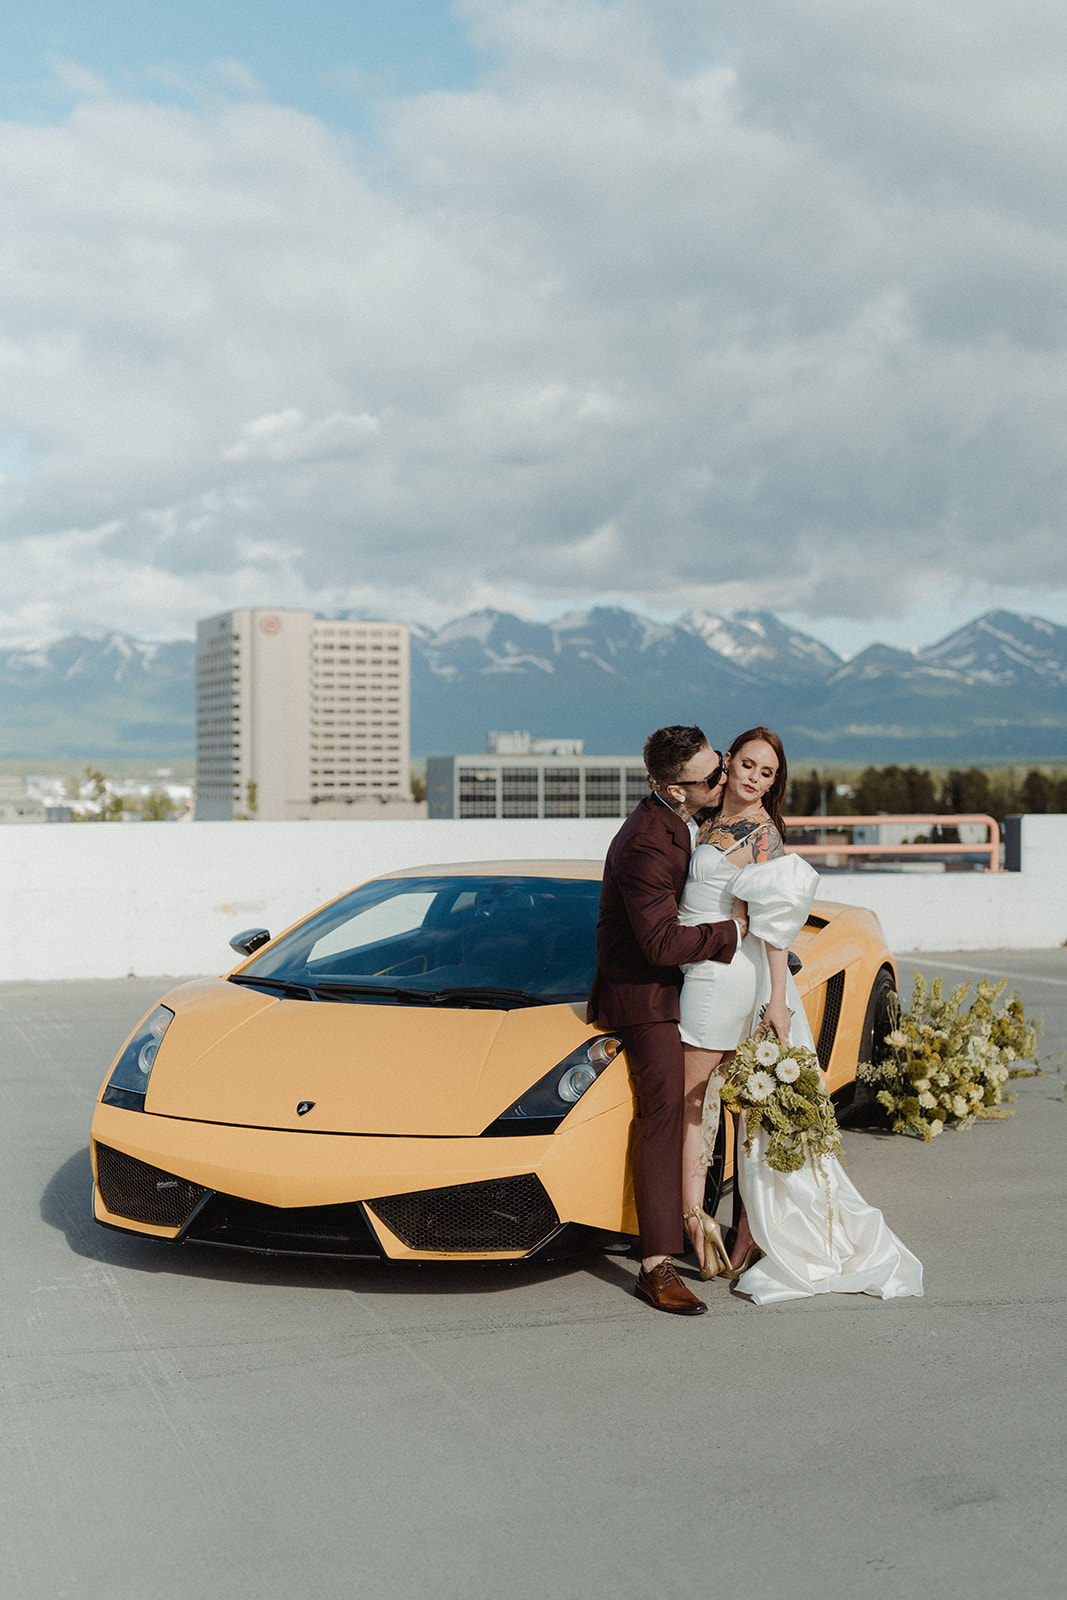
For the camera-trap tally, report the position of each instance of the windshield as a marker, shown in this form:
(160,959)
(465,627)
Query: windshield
(419,937)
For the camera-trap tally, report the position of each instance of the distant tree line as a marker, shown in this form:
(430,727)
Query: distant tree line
(107,807)
(914,789)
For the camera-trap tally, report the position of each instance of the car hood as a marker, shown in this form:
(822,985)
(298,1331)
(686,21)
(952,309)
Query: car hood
(238,1056)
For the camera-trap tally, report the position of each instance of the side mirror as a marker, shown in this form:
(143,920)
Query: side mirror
(245,943)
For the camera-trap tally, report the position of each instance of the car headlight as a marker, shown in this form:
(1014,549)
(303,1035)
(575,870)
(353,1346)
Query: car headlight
(129,1078)
(542,1108)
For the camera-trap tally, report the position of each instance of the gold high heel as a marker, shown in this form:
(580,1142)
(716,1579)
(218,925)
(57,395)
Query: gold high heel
(714,1249)
(752,1255)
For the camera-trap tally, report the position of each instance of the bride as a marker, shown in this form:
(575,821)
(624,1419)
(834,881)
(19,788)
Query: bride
(798,1234)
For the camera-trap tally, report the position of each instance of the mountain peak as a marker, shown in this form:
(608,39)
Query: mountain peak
(1002,648)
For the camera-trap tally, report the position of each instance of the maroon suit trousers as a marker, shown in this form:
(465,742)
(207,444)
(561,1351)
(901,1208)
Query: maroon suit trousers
(657,1068)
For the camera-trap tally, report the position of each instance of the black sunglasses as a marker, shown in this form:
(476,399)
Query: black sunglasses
(694,783)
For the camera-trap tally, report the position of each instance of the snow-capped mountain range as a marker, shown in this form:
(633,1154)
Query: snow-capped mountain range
(993,690)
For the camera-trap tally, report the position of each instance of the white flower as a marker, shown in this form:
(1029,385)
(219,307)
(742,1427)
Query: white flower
(760,1085)
(959,1106)
(787,1070)
(974,1094)
(935,1129)
(767,1052)
(897,1039)
(922,1085)
(927,1100)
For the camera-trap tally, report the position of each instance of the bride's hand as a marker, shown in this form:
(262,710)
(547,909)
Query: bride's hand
(777,1014)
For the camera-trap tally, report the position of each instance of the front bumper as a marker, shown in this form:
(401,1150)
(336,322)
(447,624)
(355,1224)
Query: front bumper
(354,1196)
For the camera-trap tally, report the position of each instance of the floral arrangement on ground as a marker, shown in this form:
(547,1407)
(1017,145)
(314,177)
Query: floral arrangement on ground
(946,1065)
(780,1088)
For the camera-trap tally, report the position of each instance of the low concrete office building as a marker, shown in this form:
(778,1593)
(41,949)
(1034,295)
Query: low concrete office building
(299,716)
(496,785)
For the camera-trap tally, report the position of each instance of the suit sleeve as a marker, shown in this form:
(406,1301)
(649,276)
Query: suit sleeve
(644,881)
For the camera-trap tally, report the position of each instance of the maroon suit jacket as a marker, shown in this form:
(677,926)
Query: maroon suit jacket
(639,943)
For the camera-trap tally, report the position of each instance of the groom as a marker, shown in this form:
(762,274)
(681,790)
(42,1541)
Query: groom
(635,991)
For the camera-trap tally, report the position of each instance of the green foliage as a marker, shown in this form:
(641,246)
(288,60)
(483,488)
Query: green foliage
(894,789)
(781,1089)
(966,791)
(157,807)
(251,801)
(904,790)
(947,1065)
(108,807)
(815,796)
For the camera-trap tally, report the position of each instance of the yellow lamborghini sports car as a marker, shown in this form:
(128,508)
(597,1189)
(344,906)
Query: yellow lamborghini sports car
(408,1075)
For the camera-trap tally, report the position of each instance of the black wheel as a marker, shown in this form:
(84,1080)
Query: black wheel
(855,1103)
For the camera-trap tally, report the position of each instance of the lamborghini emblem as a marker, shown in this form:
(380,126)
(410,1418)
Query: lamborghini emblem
(304,1107)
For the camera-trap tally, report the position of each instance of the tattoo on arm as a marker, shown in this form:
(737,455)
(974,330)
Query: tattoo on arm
(769,846)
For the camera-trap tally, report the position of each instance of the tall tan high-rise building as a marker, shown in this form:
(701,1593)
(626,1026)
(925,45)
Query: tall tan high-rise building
(298,717)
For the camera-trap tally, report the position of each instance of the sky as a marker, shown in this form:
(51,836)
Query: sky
(533,304)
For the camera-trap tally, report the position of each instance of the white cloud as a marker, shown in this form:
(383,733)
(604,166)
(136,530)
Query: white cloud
(702,306)
(289,436)
(76,80)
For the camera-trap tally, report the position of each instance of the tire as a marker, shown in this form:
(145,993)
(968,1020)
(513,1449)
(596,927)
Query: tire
(855,1104)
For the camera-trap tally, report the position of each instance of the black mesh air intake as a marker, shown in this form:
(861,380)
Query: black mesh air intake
(503,1214)
(831,1016)
(133,1189)
(339,1231)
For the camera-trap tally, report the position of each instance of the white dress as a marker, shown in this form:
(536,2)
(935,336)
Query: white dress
(817,1232)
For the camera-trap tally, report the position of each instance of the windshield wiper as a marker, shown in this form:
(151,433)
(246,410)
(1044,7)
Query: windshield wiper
(470,995)
(487,996)
(329,990)
(291,991)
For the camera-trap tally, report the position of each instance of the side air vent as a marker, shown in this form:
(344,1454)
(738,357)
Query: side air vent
(831,1016)
(816,922)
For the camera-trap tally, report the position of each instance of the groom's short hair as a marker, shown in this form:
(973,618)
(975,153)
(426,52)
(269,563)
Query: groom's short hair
(669,751)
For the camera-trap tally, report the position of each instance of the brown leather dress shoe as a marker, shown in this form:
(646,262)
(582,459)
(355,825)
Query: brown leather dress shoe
(664,1289)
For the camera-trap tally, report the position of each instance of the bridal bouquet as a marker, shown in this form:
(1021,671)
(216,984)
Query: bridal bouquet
(780,1088)
(944,1064)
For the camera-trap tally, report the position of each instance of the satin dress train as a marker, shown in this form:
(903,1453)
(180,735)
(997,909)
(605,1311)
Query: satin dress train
(817,1233)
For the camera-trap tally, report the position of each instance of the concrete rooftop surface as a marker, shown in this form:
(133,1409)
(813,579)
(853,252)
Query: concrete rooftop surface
(188,1422)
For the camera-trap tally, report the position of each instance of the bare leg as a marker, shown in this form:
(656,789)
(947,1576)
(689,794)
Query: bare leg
(699,1066)
(743,1240)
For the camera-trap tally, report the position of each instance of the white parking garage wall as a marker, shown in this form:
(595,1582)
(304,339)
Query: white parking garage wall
(162,899)
(1025,910)
(106,900)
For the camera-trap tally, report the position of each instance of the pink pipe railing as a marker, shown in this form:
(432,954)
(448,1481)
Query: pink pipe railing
(828,824)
